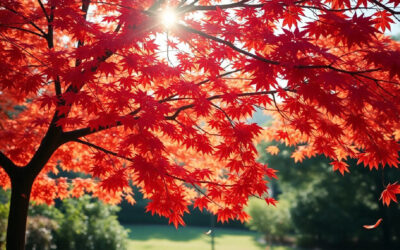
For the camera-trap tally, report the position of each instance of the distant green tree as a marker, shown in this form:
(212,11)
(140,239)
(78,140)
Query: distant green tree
(77,224)
(4,208)
(273,222)
(40,233)
(328,209)
(88,224)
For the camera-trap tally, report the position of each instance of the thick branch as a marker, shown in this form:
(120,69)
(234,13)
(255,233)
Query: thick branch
(57,86)
(49,144)
(6,163)
(75,134)
(49,37)
(44,10)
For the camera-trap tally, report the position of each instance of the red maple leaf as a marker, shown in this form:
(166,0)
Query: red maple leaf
(390,192)
(383,20)
(340,166)
(271,201)
(273,150)
(292,16)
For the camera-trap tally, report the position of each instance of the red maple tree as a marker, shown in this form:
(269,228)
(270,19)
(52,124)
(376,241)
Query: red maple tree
(110,89)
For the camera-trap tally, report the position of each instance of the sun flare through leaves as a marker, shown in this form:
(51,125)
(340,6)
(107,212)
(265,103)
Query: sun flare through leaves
(168,18)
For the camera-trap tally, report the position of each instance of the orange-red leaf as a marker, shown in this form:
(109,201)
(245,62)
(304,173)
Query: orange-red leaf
(298,156)
(271,201)
(378,222)
(341,166)
(389,194)
(383,20)
(273,150)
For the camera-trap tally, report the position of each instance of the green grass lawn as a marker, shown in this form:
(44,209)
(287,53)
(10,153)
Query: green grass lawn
(193,238)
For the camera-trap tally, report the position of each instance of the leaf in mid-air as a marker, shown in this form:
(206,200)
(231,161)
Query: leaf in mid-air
(377,223)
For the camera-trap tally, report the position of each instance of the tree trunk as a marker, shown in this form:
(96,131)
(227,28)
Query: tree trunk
(21,184)
(20,193)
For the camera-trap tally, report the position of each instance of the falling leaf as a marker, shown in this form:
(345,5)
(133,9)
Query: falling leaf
(378,222)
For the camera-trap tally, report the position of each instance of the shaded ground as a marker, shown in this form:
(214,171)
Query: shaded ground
(151,237)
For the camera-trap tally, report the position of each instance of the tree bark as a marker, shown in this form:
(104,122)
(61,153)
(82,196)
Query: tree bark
(21,186)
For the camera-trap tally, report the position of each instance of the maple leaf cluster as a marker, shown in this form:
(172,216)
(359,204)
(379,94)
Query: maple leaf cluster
(107,90)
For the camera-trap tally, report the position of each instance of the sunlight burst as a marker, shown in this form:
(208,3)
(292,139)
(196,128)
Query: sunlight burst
(168,18)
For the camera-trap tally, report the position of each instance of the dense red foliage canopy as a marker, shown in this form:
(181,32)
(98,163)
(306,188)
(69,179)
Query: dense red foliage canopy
(104,88)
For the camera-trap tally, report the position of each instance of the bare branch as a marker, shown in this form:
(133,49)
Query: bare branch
(44,10)
(385,7)
(226,115)
(101,149)
(22,48)
(260,58)
(240,4)
(26,19)
(156,5)
(23,29)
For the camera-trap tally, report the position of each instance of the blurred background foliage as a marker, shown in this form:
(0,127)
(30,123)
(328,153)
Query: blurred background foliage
(4,207)
(273,222)
(324,209)
(72,224)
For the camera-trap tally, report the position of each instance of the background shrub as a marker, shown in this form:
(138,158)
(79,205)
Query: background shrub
(40,233)
(4,208)
(273,222)
(79,224)
(328,210)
